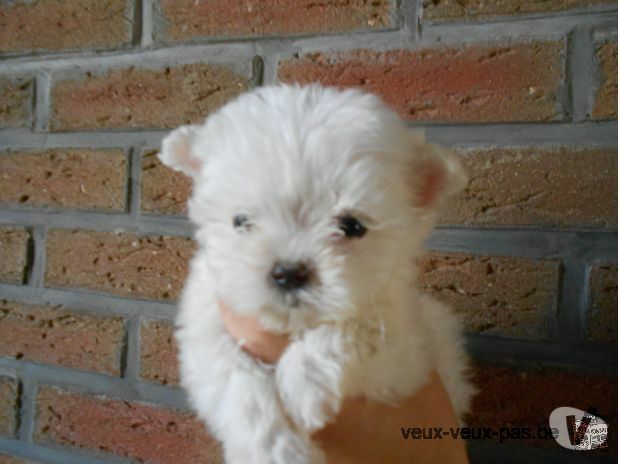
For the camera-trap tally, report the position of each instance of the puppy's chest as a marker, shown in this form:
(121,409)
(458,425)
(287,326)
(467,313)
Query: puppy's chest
(357,339)
(365,338)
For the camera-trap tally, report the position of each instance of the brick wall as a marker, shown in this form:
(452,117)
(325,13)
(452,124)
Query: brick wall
(94,239)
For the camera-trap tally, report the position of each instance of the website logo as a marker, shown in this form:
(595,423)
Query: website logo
(579,430)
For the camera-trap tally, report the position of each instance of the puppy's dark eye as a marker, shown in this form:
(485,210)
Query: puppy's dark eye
(241,220)
(352,227)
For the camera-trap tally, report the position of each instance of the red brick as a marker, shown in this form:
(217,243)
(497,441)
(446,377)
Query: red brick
(69,24)
(118,263)
(143,98)
(537,186)
(16,102)
(508,297)
(61,178)
(606,104)
(447,84)
(13,254)
(137,431)
(6,459)
(450,10)
(516,398)
(603,316)
(158,353)
(53,335)
(190,19)
(164,191)
(8,405)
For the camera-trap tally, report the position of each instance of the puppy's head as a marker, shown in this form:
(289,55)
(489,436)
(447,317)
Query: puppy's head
(310,202)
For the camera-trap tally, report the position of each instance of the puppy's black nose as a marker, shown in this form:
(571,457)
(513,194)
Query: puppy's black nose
(290,276)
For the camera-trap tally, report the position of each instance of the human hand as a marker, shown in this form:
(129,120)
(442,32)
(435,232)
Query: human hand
(258,342)
(365,431)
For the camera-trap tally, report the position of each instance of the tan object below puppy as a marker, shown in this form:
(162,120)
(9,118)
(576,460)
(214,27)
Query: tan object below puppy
(364,431)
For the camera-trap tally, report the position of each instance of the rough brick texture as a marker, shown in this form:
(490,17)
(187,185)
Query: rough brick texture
(476,9)
(143,98)
(8,405)
(188,19)
(537,186)
(137,431)
(158,353)
(123,264)
(506,297)
(16,102)
(83,179)
(447,84)
(66,24)
(13,254)
(53,335)
(606,103)
(603,317)
(164,191)
(6,459)
(511,398)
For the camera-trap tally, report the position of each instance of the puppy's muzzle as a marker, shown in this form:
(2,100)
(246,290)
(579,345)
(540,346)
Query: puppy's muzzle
(290,276)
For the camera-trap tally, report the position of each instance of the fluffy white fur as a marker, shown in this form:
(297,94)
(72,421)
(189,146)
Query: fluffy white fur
(294,160)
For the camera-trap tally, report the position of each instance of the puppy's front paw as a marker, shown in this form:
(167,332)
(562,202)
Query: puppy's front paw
(284,446)
(309,388)
(291,448)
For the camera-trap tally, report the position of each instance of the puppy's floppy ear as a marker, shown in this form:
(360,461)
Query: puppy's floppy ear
(176,151)
(435,174)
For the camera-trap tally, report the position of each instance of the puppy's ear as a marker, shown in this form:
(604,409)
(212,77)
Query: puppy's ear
(435,174)
(176,151)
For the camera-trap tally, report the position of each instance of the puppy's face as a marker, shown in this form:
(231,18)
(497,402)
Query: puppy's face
(310,202)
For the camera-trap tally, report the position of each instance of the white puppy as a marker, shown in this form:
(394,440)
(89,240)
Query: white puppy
(311,205)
